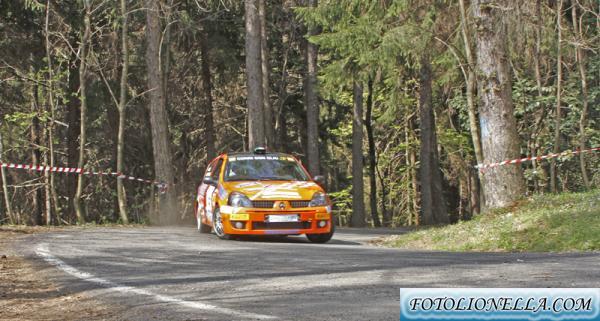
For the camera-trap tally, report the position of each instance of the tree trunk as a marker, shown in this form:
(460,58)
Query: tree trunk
(387,219)
(121,196)
(499,139)
(580,58)
(283,132)
(165,50)
(301,133)
(73,111)
(312,101)
(538,82)
(414,177)
(558,111)
(471,84)
(474,201)
(37,214)
(208,100)
(48,195)
(472,106)
(358,198)
(256,122)
(266,70)
(412,210)
(163,169)
(7,205)
(372,159)
(83,111)
(50,127)
(433,206)
(279,110)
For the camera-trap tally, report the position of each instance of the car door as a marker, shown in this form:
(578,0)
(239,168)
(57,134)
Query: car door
(201,192)
(208,191)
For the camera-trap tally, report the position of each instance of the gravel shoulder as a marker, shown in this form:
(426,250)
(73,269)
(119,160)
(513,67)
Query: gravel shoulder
(27,293)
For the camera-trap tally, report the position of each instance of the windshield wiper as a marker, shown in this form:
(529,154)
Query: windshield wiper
(274,178)
(240,178)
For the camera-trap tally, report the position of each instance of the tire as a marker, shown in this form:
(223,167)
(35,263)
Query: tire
(203,228)
(218,225)
(322,238)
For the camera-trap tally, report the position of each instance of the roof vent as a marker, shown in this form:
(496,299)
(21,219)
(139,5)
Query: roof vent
(260,150)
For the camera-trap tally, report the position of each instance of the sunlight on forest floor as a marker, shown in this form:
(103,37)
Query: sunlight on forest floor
(544,223)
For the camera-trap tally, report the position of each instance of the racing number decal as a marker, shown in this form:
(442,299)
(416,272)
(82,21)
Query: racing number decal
(209,202)
(201,196)
(199,202)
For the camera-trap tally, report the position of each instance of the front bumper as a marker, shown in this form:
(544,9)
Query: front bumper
(254,221)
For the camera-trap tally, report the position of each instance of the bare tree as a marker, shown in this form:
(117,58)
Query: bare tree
(206,89)
(580,58)
(372,156)
(266,70)
(558,111)
(358,197)
(35,139)
(256,122)
(504,184)
(7,205)
(471,80)
(72,107)
(83,52)
(164,56)
(158,114)
(433,206)
(538,82)
(121,196)
(411,162)
(312,102)
(50,127)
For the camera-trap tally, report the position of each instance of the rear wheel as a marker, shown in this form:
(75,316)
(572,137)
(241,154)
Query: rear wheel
(322,238)
(203,228)
(218,225)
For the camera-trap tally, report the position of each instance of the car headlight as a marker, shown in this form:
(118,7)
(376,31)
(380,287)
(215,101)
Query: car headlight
(239,200)
(318,199)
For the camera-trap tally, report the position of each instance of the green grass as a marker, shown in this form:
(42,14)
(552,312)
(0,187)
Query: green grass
(543,223)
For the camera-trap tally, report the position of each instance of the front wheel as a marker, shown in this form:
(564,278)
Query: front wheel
(322,238)
(218,225)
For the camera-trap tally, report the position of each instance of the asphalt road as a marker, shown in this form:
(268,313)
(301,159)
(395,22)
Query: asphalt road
(175,273)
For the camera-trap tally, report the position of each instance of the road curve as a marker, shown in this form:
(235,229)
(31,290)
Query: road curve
(175,273)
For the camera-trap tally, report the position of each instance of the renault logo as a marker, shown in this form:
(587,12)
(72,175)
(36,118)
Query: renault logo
(281,205)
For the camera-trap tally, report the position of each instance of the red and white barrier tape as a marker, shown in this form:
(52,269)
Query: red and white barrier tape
(70,170)
(551,155)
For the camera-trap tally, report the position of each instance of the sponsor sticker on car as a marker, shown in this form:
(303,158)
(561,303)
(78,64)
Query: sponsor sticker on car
(282,218)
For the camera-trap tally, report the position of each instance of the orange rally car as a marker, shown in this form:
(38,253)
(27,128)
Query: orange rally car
(262,193)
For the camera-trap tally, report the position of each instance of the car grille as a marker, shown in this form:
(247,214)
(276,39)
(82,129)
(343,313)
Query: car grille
(269,204)
(280,226)
(263,204)
(296,204)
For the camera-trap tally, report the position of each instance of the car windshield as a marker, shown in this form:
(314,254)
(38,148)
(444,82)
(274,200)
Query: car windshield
(263,168)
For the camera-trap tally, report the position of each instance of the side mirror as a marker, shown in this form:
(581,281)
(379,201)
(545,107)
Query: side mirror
(319,179)
(209,181)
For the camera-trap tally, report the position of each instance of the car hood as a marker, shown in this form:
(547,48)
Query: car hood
(274,190)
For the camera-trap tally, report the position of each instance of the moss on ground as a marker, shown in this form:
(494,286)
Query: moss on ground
(542,223)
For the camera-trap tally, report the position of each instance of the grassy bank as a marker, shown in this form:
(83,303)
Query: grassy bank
(565,222)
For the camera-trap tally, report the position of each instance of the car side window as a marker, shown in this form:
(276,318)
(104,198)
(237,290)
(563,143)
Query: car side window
(209,169)
(216,170)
